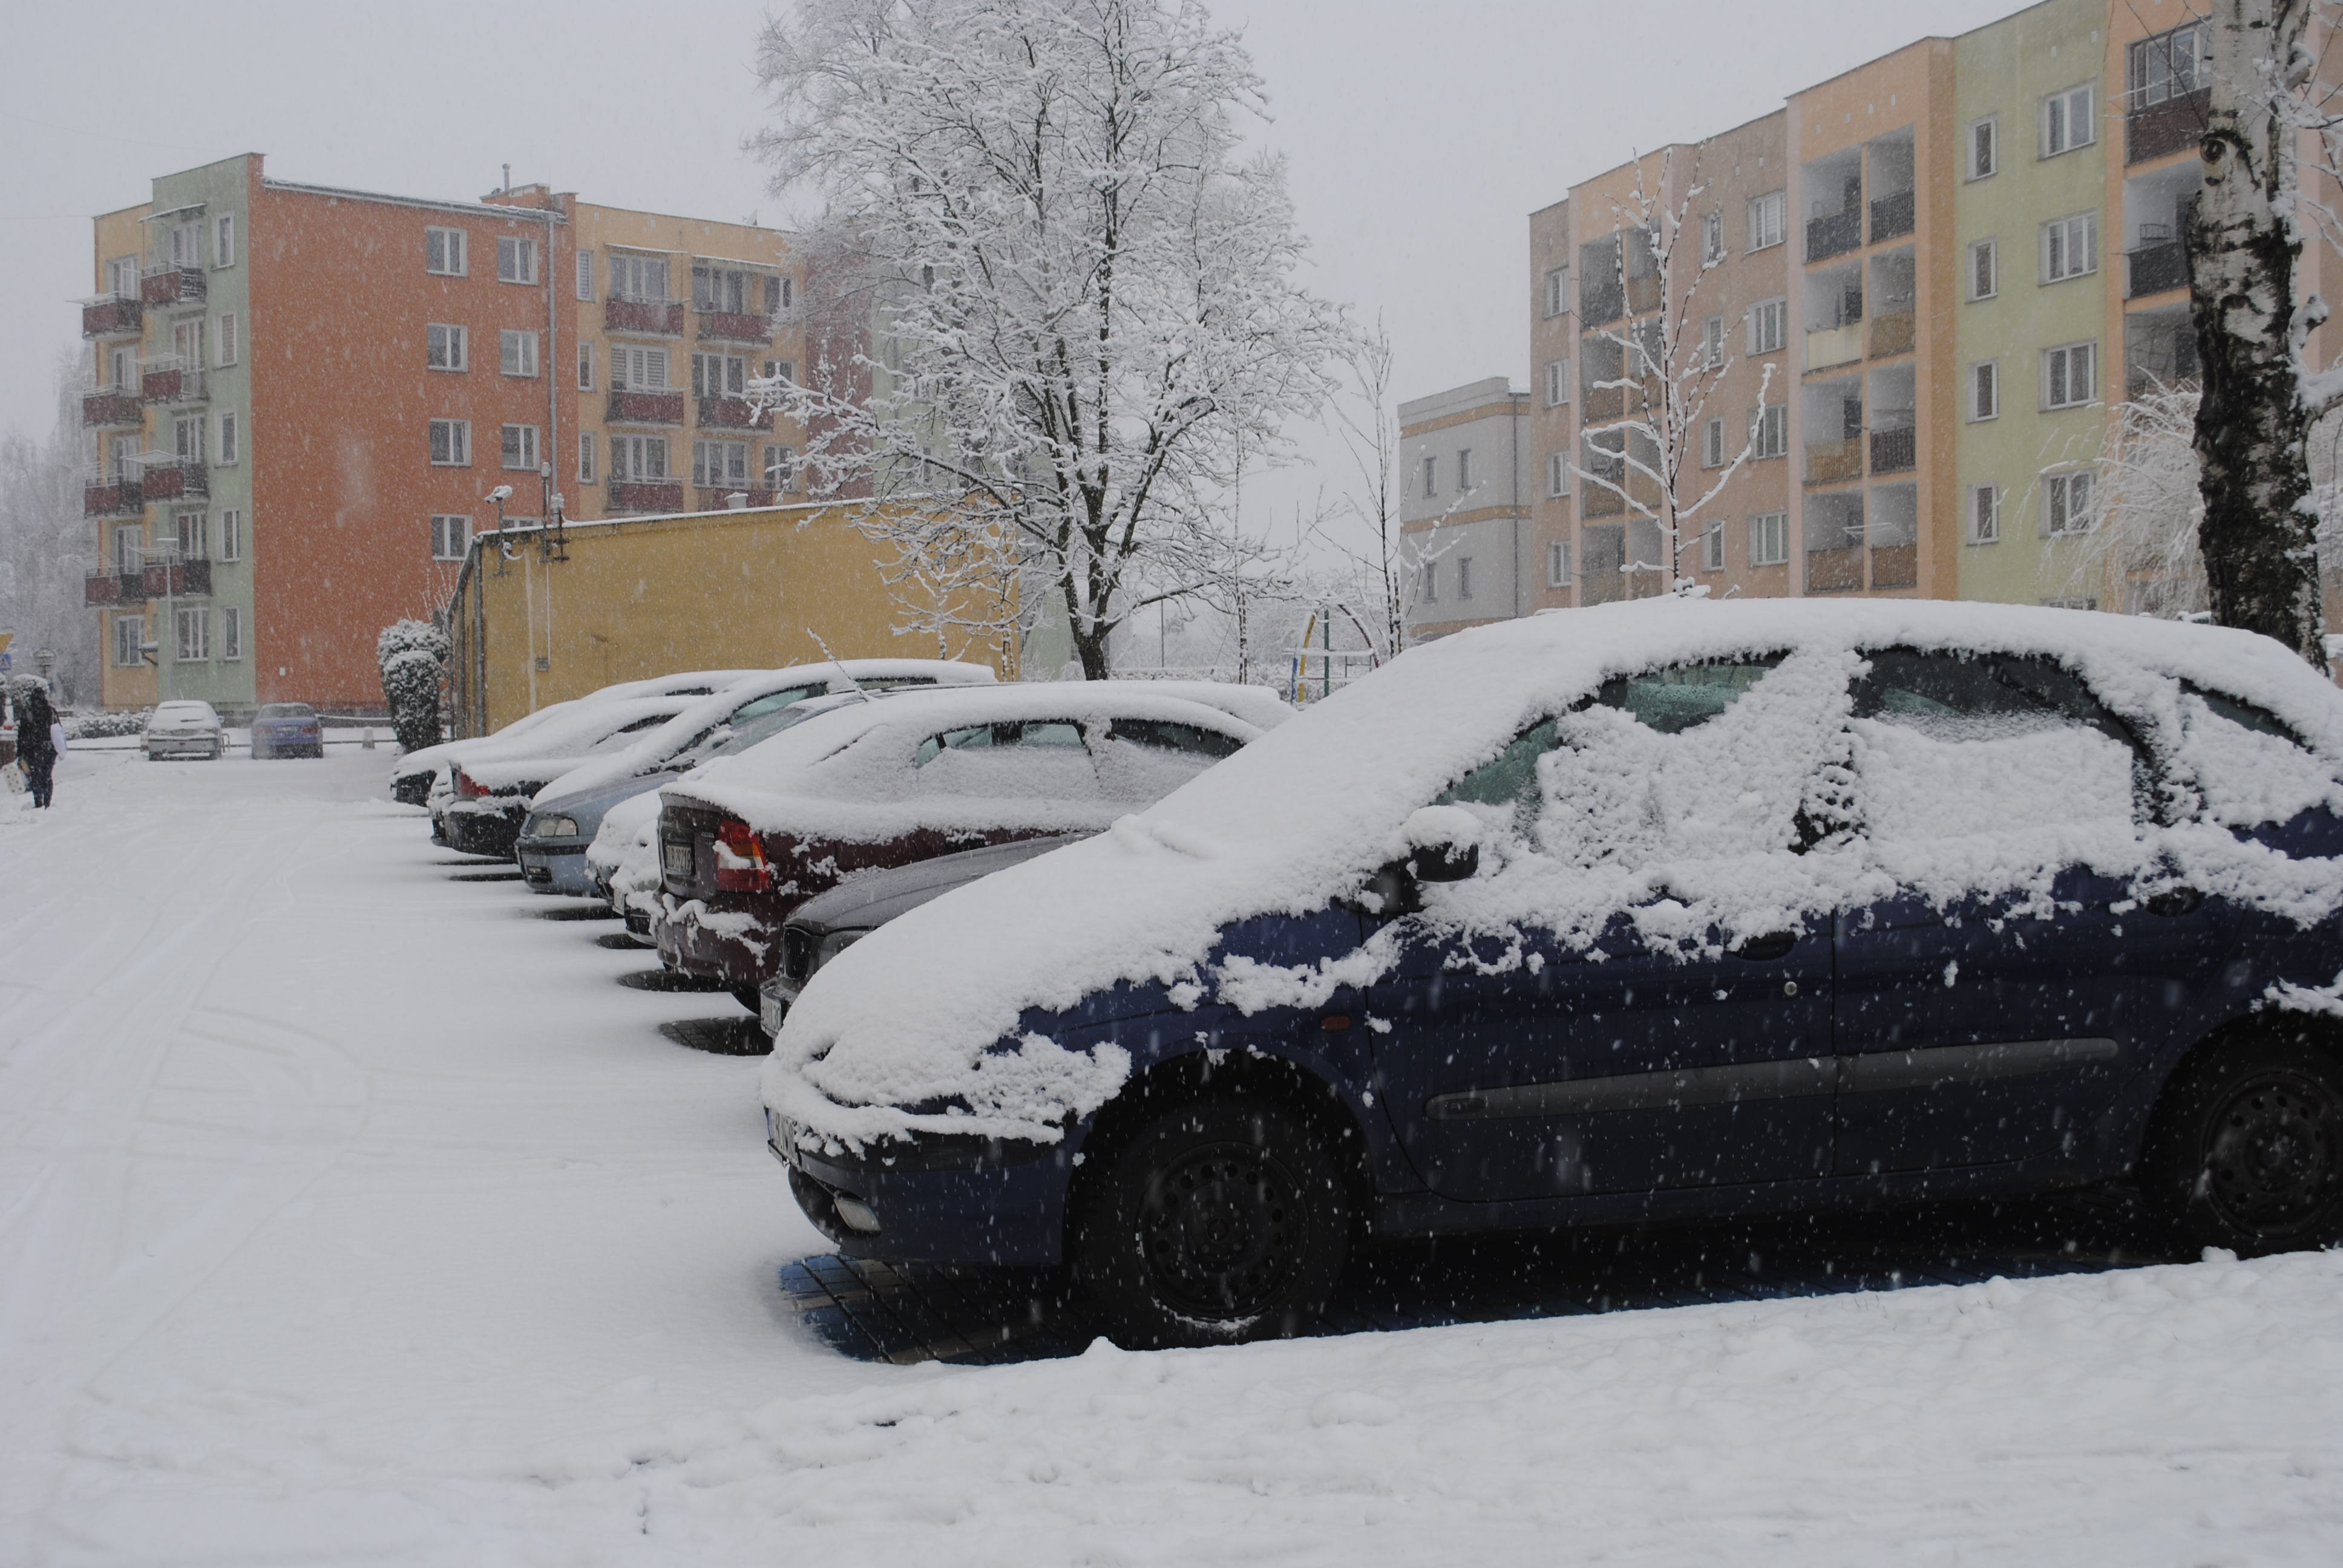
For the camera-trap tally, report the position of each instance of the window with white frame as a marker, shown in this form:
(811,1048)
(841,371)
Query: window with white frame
(2171,65)
(122,373)
(188,245)
(1558,564)
(1711,238)
(231,633)
(129,641)
(1465,471)
(519,447)
(1769,539)
(719,376)
(778,370)
(1427,585)
(225,342)
(634,368)
(726,290)
(451,537)
(1557,291)
(1712,444)
(192,533)
(443,252)
(1557,473)
(781,294)
(129,547)
(2069,120)
(1770,431)
(586,456)
(516,353)
(231,535)
(1557,382)
(1712,342)
(446,347)
(1712,545)
(781,469)
(1431,477)
(585,367)
(2070,247)
(451,443)
(2067,503)
(1984,514)
(1767,219)
(637,277)
(1983,147)
(195,635)
(1985,269)
(1463,577)
(637,457)
(1769,325)
(122,276)
(585,275)
(1984,389)
(2069,376)
(187,441)
(516,259)
(231,438)
(224,241)
(719,464)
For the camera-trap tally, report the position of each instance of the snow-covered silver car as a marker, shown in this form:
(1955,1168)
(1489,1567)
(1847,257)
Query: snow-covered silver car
(184,728)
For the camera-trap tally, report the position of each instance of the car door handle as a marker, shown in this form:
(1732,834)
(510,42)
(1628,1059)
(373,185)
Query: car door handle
(2175,902)
(1772,945)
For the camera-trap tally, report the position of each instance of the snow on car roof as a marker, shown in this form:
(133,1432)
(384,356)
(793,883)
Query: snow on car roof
(918,1012)
(568,736)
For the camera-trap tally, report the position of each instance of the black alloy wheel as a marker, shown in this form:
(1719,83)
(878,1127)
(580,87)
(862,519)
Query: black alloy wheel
(1213,1223)
(2247,1148)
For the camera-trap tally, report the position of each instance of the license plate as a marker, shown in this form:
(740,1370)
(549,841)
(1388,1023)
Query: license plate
(675,859)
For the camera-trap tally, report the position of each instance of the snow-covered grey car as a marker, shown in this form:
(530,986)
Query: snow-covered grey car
(183,728)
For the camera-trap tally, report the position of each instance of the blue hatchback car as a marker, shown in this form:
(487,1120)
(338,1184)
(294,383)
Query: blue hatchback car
(1662,910)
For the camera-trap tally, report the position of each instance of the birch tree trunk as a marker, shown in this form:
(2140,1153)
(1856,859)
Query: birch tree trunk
(2259,536)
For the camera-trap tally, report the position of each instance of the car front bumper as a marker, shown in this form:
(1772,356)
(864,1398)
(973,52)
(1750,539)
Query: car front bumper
(555,866)
(183,745)
(999,1209)
(482,830)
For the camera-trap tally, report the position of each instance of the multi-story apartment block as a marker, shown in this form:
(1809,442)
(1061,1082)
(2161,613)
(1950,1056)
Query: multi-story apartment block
(1464,512)
(304,400)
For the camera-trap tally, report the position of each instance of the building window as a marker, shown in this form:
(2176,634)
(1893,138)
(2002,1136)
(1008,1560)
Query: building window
(780,370)
(1711,238)
(223,335)
(188,245)
(781,469)
(1769,538)
(1557,474)
(519,447)
(451,443)
(585,367)
(122,276)
(187,438)
(1985,514)
(1983,147)
(719,376)
(446,347)
(1985,269)
(718,465)
(2068,376)
(585,275)
(1711,547)
(636,369)
(1429,592)
(443,251)
(1431,477)
(2171,65)
(586,456)
(231,633)
(188,531)
(195,635)
(1711,343)
(2069,121)
(129,547)
(637,457)
(231,438)
(1557,382)
(1770,432)
(1464,577)
(451,536)
(516,259)
(129,641)
(639,277)
(1558,564)
(516,353)
(725,290)
(1984,390)
(1767,220)
(1463,470)
(1712,444)
(2067,503)
(1557,291)
(2070,247)
(223,242)
(231,536)
(781,294)
(1769,325)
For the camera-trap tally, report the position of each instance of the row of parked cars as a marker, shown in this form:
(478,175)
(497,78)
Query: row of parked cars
(1659,910)
(189,727)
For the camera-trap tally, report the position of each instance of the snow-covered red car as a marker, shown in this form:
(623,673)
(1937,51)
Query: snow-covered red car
(1671,909)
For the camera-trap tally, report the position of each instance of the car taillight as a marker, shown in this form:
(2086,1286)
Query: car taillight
(465,788)
(740,863)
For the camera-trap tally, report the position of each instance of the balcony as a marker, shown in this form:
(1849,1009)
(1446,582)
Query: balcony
(735,327)
(2156,268)
(645,496)
(174,480)
(113,587)
(1643,293)
(115,316)
(1828,461)
(1891,216)
(1895,566)
(112,497)
(1892,451)
(646,407)
(172,383)
(733,414)
(664,317)
(1833,236)
(1892,332)
(708,500)
(179,579)
(1834,571)
(2152,130)
(172,285)
(1835,346)
(110,407)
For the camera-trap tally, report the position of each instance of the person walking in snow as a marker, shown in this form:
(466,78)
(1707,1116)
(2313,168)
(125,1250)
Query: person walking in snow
(39,737)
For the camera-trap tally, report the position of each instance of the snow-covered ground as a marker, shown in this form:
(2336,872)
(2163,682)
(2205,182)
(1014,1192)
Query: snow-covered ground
(351,1214)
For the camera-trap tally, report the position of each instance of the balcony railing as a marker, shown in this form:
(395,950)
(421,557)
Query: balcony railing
(1834,571)
(1644,294)
(2155,268)
(2152,130)
(170,481)
(172,384)
(113,587)
(111,405)
(172,285)
(1832,345)
(178,579)
(1891,216)
(1599,404)
(737,327)
(1892,451)
(733,414)
(646,495)
(116,316)
(107,496)
(1892,333)
(646,407)
(709,500)
(661,316)
(1895,566)
(1833,236)
(1830,461)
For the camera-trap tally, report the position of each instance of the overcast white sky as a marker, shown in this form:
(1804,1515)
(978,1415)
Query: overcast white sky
(1420,136)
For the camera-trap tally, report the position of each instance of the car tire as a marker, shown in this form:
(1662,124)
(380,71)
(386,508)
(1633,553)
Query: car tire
(1213,1223)
(2246,1150)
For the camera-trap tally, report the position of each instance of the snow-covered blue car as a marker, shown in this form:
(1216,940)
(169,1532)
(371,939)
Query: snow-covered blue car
(1669,910)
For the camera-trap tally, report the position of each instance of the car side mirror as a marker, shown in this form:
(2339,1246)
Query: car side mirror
(1444,844)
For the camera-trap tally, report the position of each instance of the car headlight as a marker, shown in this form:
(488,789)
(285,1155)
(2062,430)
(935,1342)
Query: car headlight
(555,828)
(834,944)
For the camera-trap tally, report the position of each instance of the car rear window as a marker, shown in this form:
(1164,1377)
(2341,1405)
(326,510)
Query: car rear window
(1169,735)
(1032,732)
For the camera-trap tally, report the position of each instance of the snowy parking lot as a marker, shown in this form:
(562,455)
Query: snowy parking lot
(352,1212)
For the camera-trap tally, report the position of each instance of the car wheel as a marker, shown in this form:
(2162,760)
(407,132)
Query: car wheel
(746,995)
(2247,1149)
(1213,1223)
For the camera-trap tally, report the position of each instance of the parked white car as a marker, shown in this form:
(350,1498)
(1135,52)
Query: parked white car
(185,728)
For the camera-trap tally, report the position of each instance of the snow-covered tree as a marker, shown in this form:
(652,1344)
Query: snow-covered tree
(1368,424)
(46,546)
(1082,300)
(2141,554)
(413,654)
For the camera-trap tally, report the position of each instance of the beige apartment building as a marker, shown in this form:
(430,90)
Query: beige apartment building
(1464,513)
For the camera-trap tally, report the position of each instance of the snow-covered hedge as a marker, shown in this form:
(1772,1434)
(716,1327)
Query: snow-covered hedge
(414,658)
(99,726)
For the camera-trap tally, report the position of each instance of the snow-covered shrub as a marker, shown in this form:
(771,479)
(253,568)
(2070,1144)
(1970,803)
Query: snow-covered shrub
(98,726)
(414,658)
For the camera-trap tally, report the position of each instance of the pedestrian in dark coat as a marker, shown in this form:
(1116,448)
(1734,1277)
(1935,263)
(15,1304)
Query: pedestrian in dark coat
(36,741)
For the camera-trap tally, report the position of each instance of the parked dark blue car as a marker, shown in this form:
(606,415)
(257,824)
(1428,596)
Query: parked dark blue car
(1758,909)
(288,729)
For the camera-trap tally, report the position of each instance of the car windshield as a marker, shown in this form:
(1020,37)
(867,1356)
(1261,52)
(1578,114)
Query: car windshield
(763,727)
